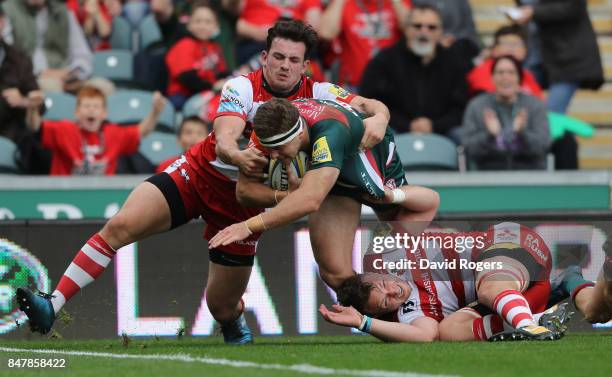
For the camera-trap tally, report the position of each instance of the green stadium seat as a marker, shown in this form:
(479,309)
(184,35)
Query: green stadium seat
(193,106)
(115,65)
(8,149)
(426,152)
(148,32)
(158,147)
(59,106)
(121,35)
(131,106)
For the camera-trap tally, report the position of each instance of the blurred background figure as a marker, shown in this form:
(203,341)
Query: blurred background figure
(95,19)
(508,40)
(52,37)
(566,50)
(422,82)
(507,129)
(195,63)
(191,131)
(361,29)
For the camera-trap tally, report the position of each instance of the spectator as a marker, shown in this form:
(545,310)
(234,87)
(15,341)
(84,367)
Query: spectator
(507,129)
(52,37)
(167,20)
(191,131)
(457,20)
(16,81)
(95,20)
(421,82)
(570,60)
(195,63)
(257,16)
(89,146)
(508,40)
(363,28)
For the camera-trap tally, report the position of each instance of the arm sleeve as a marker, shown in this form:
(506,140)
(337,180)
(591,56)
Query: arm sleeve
(330,143)
(130,138)
(50,134)
(536,136)
(559,11)
(236,98)
(333,92)
(80,54)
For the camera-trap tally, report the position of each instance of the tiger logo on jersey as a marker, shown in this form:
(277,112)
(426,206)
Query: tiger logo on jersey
(320,151)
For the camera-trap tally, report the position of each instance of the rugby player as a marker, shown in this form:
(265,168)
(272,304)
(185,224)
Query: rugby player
(202,183)
(425,304)
(333,188)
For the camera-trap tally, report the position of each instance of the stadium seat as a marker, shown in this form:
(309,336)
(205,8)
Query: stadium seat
(131,106)
(158,147)
(8,149)
(426,152)
(59,106)
(121,35)
(148,32)
(194,105)
(115,65)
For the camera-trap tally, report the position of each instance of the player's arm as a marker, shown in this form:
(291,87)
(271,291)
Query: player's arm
(307,199)
(422,329)
(150,121)
(376,124)
(228,129)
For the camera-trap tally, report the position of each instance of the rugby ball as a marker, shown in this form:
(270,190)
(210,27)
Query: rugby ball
(278,178)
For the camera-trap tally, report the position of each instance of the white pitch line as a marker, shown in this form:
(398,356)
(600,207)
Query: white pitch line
(301,368)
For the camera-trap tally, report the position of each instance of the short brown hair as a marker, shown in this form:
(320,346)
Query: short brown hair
(296,31)
(513,29)
(355,292)
(275,117)
(90,92)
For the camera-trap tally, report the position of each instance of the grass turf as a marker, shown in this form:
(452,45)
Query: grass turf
(578,354)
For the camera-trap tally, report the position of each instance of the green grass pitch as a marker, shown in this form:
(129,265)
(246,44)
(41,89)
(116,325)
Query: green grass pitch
(578,354)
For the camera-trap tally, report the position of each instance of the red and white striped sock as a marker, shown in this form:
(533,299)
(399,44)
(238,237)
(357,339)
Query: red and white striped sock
(86,267)
(489,325)
(512,306)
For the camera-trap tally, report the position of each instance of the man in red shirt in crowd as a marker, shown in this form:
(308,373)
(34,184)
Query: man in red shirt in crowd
(508,40)
(91,145)
(203,183)
(362,28)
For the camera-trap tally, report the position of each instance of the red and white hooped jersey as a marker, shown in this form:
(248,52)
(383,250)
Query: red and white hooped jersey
(241,97)
(439,292)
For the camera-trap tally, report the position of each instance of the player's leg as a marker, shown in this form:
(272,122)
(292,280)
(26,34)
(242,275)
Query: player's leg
(226,284)
(332,234)
(145,212)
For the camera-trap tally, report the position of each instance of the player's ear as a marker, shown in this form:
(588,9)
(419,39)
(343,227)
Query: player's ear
(305,66)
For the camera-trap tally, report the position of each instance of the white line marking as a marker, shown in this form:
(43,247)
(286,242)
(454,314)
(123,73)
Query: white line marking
(301,368)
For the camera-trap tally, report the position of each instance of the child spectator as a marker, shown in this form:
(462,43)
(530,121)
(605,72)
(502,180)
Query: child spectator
(191,131)
(195,63)
(95,20)
(91,145)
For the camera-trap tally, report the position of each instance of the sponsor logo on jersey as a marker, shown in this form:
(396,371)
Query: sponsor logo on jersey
(505,235)
(339,91)
(320,151)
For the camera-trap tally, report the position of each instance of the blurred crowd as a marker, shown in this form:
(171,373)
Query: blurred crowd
(424,59)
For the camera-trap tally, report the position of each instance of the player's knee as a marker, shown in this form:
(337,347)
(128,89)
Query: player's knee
(334,279)
(117,230)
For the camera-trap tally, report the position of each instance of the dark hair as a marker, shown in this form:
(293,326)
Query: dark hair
(513,29)
(274,117)
(296,31)
(517,65)
(423,6)
(194,119)
(355,292)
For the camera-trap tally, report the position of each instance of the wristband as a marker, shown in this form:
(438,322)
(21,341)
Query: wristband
(256,224)
(366,324)
(399,196)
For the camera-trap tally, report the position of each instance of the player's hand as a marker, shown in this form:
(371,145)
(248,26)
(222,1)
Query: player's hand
(233,233)
(342,315)
(252,162)
(292,178)
(375,128)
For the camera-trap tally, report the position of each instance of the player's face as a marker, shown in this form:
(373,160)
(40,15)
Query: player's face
(388,294)
(90,113)
(203,24)
(286,152)
(284,64)
(506,78)
(191,134)
(511,45)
